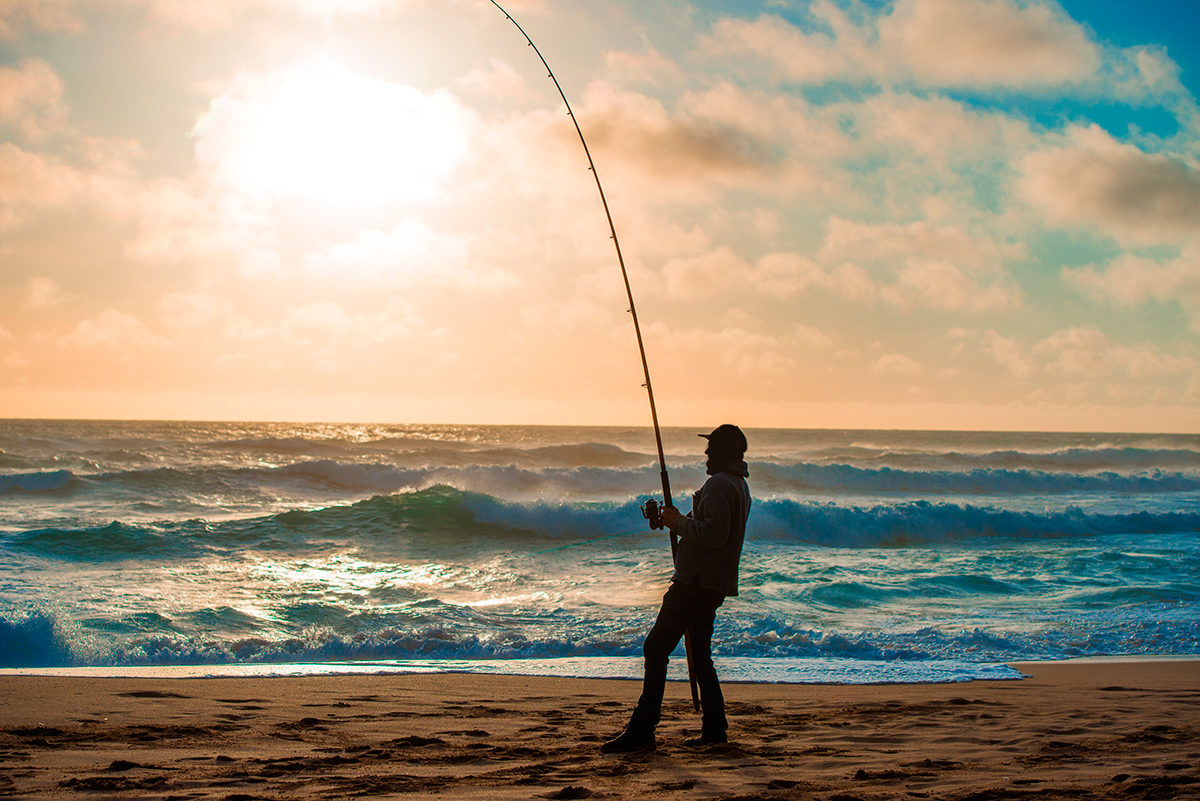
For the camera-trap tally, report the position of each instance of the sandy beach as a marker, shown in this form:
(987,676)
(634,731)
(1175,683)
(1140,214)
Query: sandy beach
(1071,730)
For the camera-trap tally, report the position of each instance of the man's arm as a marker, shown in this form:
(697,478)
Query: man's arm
(713,530)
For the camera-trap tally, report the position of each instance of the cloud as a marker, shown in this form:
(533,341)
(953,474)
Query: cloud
(1084,354)
(1130,279)
(111,329)
(576,313)
(497,80)
(897,364)
(941,285)
(194,310)
(853,283)
(721,271)
(325,323)
(736,351)
(187,222)
(205,15)
(43,181)
(1145,75)
(70,170)
(44,15)
(208,316)
(1009,353)
(792,54)
(657,232)
(1095,180)
(851,240)
(31,99)
(34,182)
(932,43)
(199,14)
(654,152)
(787,274)
(987,43)
(44,293)
(708,273)
(939,129)
(639,129)
(780,123)
(1086,351)
(648,67)
(67,16)
(939,267)
(917,256)
(790,274)
(813,338)
(408,255)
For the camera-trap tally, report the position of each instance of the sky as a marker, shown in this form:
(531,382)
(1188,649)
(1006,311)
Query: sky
(946,214)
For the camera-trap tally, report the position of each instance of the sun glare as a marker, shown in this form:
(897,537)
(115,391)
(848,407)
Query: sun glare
(327,133)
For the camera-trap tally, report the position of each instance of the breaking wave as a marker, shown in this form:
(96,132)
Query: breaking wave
(46,639)
(168,543)
(508,479)
(46,481)
(448,518)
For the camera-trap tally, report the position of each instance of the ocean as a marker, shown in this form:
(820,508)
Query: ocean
(197,548)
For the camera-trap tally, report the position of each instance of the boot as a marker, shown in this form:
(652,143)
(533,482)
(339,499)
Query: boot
(707,738)
(638,735)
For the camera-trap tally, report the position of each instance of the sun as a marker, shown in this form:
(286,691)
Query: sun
(323,132)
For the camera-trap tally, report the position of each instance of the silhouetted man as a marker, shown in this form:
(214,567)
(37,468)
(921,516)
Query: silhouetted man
(706,573)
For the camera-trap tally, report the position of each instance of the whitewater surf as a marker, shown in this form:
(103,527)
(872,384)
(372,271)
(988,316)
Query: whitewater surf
(872,556)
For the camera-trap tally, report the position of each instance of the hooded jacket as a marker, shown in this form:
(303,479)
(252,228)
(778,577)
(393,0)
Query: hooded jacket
(711,535)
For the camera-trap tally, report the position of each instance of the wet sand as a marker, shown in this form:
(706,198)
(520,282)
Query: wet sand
(1127,730)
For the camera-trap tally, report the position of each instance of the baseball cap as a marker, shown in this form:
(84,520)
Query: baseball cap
(727,437)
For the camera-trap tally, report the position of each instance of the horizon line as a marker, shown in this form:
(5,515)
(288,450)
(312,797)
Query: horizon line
(647,426)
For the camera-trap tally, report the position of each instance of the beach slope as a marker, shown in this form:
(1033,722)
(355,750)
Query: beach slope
(1122,730)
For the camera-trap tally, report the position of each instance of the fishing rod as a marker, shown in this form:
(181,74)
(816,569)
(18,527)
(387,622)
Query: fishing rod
(651,510)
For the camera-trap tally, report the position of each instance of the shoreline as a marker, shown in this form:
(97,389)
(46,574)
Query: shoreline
(1072,729)
(733,670)
(602,668)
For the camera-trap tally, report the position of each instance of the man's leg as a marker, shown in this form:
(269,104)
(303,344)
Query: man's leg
(660,642)
(712,701)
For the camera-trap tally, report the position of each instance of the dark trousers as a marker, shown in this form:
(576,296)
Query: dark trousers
(683,607)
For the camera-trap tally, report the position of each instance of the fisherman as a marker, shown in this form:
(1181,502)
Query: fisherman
(706,573)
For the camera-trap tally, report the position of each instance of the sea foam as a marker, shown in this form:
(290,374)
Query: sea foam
(169,544)
(447,517)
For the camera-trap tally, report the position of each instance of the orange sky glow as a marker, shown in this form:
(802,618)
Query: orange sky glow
(979,214)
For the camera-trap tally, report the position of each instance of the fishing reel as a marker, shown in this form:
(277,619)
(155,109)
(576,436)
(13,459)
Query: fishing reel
(653,513)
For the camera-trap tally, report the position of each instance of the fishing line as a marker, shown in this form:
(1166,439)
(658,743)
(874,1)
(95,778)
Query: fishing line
(662,460)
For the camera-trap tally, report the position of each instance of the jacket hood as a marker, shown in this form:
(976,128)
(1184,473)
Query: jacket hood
(739,468)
